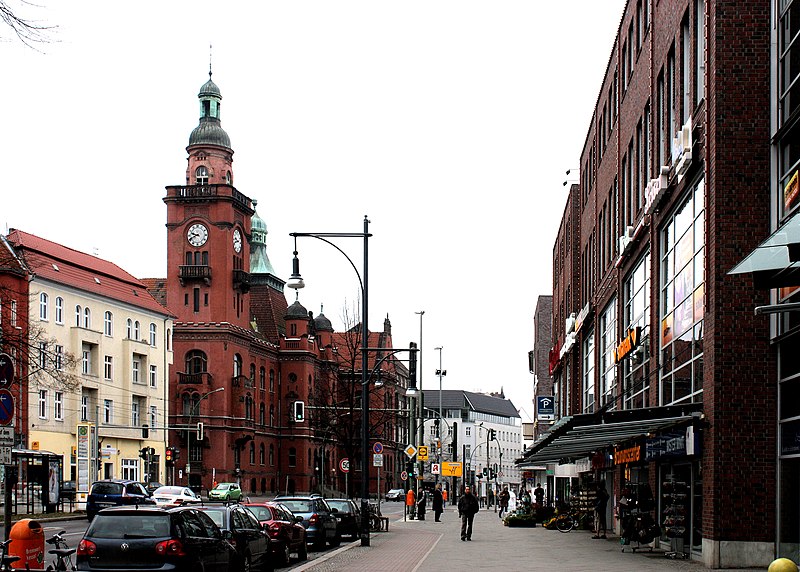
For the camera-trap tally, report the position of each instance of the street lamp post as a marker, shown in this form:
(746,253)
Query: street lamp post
(195,409)
(440,372)
(296,282)
(421,400)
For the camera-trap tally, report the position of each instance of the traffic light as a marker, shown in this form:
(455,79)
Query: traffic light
(299,412)
(485,472)
(492,434)
(412,367)
(176,453)
(200,430)
(144,452)
(493,474)
(168,455)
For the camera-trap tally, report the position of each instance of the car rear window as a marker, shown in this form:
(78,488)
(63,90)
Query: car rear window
(129,526)
(261,512)
(299,505)
(218,517)
(107,489)
(341,506)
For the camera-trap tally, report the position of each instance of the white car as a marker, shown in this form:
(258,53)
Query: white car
(171,496)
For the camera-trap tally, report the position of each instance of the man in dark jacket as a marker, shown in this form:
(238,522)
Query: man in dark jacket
(438,503)
(467,507)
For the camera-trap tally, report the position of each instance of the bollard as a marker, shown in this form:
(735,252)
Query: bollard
(782,565)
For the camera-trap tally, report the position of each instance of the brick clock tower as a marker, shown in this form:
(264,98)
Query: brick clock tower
(222,362)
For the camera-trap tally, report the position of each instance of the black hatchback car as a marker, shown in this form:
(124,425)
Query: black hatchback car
(318,519)
(115,492)
(347,517)
(247,535)
(153,539)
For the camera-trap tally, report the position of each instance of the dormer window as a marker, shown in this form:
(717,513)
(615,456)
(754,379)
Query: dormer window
(201,175)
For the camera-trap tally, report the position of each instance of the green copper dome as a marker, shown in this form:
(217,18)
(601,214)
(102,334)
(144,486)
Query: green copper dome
(210,131)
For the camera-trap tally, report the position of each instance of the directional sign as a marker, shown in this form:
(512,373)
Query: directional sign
(452,469)
(6,407)
(344,465)
(422,453)
(377,448)
(434,468)
(403,476)
(6,370)
(410,451)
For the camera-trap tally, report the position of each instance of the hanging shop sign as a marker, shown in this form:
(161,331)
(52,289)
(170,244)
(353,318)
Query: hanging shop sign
(791,190)
(655,190)
(554,358)
(583,465)
(790,438)
(582,315)
(545,407)
(628,455)
(672,444)
(682,150)
(569,341)
(628,344)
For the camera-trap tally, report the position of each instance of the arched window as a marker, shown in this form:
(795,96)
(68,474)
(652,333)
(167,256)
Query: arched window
(248,407)
(272,380)
(129,328)
(136,330)
(201,175)
(253,374)
(228,178)
(292,457)
(196,362)
(261,454)
(153,332)
(108,323)
(252,453)
(272,416)
(43,305)
(262,416)
(237,365)
(87,318)
(59,310)
(271,455)
(78,316)
(262,381)
(292,378)
(186,403)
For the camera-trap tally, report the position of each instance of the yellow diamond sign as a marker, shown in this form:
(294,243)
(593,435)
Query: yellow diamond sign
(410,451)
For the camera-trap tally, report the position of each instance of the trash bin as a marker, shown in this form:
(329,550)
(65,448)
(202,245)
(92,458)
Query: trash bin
(27,542)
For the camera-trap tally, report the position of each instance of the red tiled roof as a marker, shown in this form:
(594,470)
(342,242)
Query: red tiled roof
(57,263)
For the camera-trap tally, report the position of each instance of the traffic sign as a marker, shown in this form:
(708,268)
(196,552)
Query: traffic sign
(434,468)
(404,476)
(377,448)
(422,453)
(377,460)
(452,469)
(410,451)
(6,370)
(6,436)
(6,407)
(5,456)
(344,465)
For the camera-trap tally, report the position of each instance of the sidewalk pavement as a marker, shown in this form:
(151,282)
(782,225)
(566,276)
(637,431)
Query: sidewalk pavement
(427,545)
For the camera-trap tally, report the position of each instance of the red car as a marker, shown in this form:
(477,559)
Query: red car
(283,527)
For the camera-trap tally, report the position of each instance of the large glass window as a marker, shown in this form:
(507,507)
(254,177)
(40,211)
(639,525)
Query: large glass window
(788,104)
(608,367)
(635,318)
(682,300)
(588,373)
(43,306)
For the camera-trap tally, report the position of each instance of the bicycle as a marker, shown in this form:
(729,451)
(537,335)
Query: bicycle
(62,552)
(567,521)
(5,558)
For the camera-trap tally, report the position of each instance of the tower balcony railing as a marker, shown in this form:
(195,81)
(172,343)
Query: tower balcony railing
(241,280)
(202,378)
(201,193)
(195,272)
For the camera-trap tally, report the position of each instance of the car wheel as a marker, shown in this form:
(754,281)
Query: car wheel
(302,552)
(286,555)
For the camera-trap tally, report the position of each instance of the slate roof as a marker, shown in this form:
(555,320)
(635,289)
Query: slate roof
(479,402)
(62,265)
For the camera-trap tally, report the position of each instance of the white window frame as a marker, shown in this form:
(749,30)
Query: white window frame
(153,334)
(136,330)
(153,416)
(86,362)
(588,354)
(108,368)
(58,406)
(108,323)
(135,411)
(136,365)
(44,303)
(42,355)
(129,328)
(108,411)
(58,358)
(59,310)
(13,313)
(42,404)
(78,315)
(84,407)
(87,318)
(130,469)
(153,376)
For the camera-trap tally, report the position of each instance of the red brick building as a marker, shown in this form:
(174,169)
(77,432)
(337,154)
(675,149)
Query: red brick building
(243,357)
(664,376)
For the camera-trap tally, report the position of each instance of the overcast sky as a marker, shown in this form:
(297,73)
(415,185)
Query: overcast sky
(451,124)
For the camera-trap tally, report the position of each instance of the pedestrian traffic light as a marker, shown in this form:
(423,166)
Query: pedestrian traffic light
(485,472)
(493,474)
(144,452)
(299,411)
(492,434)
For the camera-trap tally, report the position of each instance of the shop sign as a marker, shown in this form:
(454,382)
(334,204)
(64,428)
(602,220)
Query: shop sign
(599,461)
(671,444)
(545,407)
(569,324)
(583,465)
(554,357)
(791,190)
(790,438)
(629,455)
(655,190)
(569,341)
(582,315)
(627,345)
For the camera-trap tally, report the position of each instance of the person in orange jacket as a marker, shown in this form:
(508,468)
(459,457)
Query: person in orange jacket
(411,503)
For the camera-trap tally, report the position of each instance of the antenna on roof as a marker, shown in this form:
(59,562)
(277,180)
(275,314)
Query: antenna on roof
(209,60)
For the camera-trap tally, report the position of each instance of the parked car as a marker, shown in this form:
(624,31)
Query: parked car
(248,536)
(155,539)
(174,496)
(396,495)
(318,519)
(347,516)
(284,528)
(152,486)
(115,492)
(225,491)
(68,491)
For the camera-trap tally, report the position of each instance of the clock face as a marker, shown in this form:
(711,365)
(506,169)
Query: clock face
(197,234)
(237,240)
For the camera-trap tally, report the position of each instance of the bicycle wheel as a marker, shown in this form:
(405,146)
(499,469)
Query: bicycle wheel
(565,524)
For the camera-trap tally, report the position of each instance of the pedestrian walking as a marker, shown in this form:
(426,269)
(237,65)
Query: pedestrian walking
(438,503)
(423,500)
(538,493)
(467,507)
(600,503)
(503,499)
(411,503)
(444,495)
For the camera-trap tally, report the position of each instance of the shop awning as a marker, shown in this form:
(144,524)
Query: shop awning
(775,263)
(582,435)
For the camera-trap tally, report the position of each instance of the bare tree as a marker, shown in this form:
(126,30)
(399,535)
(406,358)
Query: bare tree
(28,31)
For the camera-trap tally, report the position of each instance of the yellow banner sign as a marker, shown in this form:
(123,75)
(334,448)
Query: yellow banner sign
(452,470)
